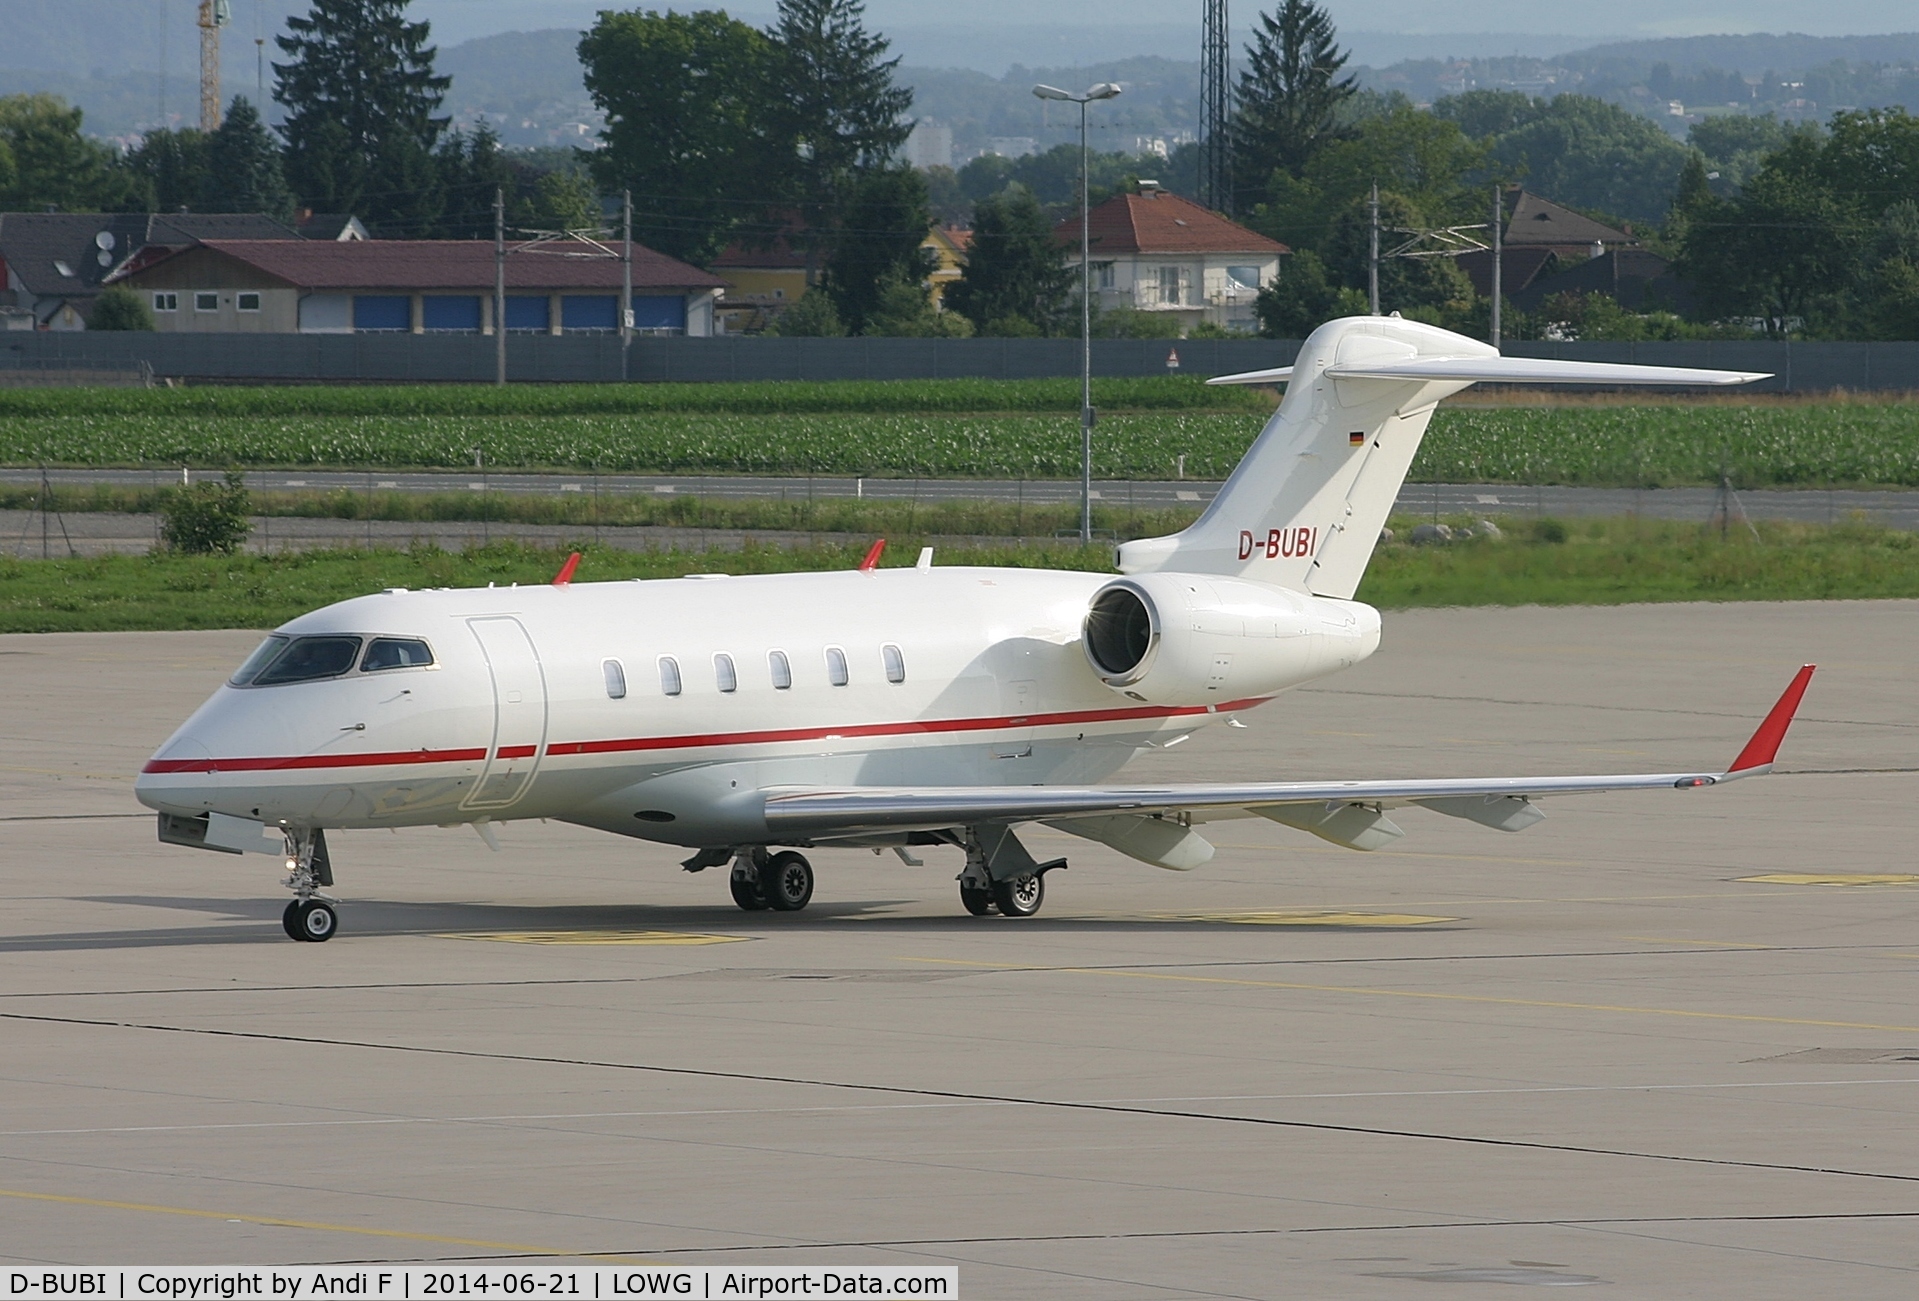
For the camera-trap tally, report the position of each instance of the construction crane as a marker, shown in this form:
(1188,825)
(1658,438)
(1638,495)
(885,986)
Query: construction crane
(1216,111)
(214,14)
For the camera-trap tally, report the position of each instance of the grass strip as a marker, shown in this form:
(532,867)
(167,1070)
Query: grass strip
(1543,562)
(779,397)
(1852,443)
(881,516)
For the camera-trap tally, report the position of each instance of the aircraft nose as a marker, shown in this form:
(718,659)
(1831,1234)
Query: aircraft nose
(177,778)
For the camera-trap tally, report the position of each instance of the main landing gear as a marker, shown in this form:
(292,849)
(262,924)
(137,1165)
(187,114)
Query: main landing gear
(782,882)
(310,916)
(1000,876)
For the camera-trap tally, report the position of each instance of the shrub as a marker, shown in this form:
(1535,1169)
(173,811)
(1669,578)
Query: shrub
(119,308)
(812,317)
(207,518)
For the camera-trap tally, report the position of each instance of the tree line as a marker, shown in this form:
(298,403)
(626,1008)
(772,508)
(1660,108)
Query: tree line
(1776,229)
(789,135)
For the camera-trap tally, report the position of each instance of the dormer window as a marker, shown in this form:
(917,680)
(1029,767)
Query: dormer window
(63,268)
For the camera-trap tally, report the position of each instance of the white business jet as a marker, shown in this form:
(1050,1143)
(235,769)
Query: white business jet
(746,718)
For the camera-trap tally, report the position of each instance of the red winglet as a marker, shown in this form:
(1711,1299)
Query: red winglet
(872,560)
(1759,751)
(565,575)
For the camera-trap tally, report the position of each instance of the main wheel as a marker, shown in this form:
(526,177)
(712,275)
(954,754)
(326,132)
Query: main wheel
(1021,896)
(787,882)
(746,893)
(290,920)
(976,901)
(317,920)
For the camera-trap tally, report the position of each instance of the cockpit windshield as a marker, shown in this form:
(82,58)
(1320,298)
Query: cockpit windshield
(281,659)
(261,657)
(307,659)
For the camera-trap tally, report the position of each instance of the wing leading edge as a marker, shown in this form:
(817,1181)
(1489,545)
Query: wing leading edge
(1491,800)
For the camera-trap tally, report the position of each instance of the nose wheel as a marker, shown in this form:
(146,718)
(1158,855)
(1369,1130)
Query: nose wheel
(310,919)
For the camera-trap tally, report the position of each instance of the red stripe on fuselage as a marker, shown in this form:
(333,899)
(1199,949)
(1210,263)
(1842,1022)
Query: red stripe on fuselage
(315,761)
(630,745)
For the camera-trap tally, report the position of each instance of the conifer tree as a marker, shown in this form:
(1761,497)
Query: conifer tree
(1289,96)
(361,96)
(243,172)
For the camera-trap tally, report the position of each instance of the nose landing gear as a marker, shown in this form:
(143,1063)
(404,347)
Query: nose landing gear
(310,917)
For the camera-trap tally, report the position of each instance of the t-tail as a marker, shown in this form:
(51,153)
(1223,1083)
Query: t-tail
(1305,506)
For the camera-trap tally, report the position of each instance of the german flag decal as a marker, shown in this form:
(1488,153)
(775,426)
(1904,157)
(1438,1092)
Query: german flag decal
(1356,438)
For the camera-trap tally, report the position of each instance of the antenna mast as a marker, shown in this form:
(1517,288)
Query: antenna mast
(214,14)
(1216,111)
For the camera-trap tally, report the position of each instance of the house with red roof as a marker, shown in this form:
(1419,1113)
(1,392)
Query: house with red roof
(1154,251)
(403,286)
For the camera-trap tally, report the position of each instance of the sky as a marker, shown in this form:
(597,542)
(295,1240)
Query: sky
(108,35)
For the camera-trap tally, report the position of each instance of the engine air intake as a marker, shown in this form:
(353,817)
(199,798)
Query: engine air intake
(1119,634)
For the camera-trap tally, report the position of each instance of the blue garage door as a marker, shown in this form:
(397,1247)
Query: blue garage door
(599,312)
(462,313)
(382,312)
(659,313)
(526,313)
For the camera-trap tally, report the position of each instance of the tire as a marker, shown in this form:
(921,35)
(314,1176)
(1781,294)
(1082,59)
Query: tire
(786,882)
(1021,896)
(746,893)
(290,920)
(317,921)
(977,902)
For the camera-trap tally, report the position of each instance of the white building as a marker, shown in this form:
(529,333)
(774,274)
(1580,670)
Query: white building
(930,145)
(1156,252)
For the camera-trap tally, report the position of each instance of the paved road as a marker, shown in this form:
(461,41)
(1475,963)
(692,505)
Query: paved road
(1625,1048)
(1892,506)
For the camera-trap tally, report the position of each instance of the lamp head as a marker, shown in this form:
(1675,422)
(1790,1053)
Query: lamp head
(1105,90)
(1050,92)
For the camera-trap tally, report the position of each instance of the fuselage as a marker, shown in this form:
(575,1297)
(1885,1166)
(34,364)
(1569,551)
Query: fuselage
(668,709)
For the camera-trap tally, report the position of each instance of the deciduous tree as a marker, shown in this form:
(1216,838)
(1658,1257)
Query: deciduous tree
(1016,273)
(687,124)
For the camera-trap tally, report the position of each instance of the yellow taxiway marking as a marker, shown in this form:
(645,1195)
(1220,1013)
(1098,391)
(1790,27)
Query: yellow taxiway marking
(1304,917)
(1422,994)
(1836,878)
(317,1226)
(595,937)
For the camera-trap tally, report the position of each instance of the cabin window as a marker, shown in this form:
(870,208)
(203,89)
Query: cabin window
(895,663)
(836,666)
(308,659)
(781,670)
(396,653)
(261,657)
(615,674)
(725,674)
(669,675)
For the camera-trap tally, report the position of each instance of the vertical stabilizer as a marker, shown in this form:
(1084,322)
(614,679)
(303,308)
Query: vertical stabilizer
(1305,506)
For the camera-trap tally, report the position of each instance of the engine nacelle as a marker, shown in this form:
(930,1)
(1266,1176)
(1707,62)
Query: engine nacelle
(1193,639)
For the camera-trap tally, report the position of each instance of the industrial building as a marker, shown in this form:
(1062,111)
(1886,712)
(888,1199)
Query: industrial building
(285,286)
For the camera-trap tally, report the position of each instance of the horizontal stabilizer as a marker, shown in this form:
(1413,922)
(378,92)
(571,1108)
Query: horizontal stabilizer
(1278,375)
(1536,370)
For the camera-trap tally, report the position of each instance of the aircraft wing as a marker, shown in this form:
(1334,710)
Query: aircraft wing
(1495,801)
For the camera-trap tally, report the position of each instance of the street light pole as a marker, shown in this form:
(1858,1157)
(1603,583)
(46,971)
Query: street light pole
(1105,90)
(499,287)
